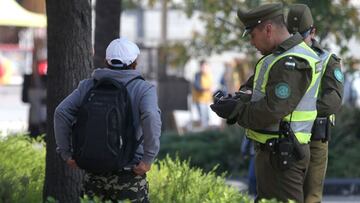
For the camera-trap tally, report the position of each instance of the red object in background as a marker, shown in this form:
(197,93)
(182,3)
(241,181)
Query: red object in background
(42,67)
(2,70)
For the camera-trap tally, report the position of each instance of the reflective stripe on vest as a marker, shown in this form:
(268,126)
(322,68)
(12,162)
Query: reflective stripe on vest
(325,57)
(303,116)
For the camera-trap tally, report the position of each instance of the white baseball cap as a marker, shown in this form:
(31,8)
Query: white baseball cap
(123,50)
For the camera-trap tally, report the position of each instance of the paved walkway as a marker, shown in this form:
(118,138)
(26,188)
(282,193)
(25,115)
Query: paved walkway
(13,112)
(242,186)
(341,199)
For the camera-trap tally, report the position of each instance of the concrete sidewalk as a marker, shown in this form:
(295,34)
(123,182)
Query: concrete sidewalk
(13,112)
(242,186)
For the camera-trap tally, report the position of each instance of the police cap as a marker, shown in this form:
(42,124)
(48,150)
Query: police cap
(255,16)
(299,18)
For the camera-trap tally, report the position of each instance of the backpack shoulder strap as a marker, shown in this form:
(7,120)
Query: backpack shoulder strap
(135,78)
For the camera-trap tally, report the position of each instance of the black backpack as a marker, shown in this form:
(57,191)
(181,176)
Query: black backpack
(104,135)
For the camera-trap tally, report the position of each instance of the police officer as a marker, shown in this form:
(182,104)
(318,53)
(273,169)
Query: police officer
(283,88)
(329,100)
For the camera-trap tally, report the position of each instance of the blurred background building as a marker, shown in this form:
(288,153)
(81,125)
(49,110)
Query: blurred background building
(23,61)
(163,33)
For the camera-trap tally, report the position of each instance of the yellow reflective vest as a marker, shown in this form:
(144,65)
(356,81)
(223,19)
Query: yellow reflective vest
(325,57)
(304,115)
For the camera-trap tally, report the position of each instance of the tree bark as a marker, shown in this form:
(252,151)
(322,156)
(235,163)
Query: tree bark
(69,61)
(107,27)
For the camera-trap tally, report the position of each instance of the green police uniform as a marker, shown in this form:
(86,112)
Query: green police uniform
(284,93)
(285,84)
(328,103)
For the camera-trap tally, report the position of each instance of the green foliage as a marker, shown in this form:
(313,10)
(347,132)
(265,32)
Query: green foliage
(344,156)
(223,29)
(175,181)
(222,148)
(23,165)
(208,149)
(21,170)
(177,55)
(172,180)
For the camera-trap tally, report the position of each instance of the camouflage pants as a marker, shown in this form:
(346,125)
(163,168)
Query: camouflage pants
(116,186)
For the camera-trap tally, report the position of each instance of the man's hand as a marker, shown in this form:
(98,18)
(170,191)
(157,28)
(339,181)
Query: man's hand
(71,163)
(141,168)
(225,107)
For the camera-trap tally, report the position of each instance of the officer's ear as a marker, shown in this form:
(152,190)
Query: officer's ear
(313,32)
(268,29)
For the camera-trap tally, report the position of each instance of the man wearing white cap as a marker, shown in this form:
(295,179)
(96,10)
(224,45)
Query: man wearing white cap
(129,181)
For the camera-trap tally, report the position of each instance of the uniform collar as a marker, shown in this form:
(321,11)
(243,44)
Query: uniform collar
(316,46)
(288,43)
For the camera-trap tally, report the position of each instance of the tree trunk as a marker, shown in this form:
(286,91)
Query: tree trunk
(107,27)
(69,61)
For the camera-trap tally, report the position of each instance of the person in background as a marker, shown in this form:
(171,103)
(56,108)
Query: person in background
(202,92)
(351,97)
(328,102)
(248,152)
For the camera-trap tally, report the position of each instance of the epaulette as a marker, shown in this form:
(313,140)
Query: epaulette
(336,57)
(279,51)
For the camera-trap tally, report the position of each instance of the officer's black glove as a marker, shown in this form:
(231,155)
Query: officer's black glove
(226,107)
(244,96)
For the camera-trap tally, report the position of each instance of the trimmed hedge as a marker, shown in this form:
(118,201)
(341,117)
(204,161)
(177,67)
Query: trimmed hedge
(22,176)
(344,156)
(208,149)
(211,148)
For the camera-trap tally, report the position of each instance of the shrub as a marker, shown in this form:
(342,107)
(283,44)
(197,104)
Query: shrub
(344,157)
(22,175)
(208,149)
(21,170)
(175,181)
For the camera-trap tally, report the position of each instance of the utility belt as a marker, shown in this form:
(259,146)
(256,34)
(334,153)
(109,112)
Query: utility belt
(285,150)
(321,128)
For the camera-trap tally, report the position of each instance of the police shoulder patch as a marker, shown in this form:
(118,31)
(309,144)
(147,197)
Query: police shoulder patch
(282,90)
(339,75)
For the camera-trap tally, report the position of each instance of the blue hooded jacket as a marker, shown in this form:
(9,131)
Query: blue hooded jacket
(145,109)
